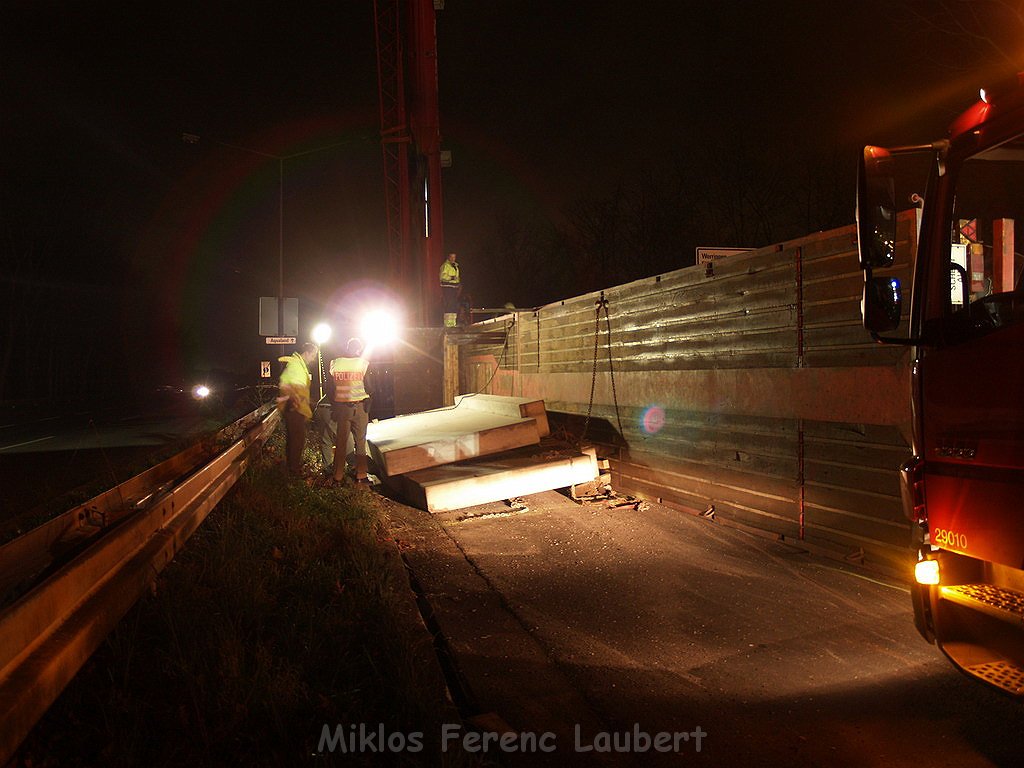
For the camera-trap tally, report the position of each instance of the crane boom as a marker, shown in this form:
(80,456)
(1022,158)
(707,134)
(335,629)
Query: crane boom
(406,32)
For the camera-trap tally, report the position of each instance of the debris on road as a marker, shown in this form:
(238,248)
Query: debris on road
(485,449)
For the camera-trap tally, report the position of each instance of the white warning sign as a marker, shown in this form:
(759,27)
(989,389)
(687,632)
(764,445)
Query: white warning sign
(707,255)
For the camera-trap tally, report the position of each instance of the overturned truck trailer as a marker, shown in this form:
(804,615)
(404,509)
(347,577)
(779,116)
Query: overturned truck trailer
(747,386)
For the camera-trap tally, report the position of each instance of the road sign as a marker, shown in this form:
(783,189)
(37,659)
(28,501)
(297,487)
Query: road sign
(264,369)
(707,255)
(280,339)
(276,311)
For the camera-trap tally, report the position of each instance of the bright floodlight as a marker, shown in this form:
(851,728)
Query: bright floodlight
(200,392)
(379,328)
(320,334)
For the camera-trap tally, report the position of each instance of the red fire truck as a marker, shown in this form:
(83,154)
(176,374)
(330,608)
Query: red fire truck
(963,489)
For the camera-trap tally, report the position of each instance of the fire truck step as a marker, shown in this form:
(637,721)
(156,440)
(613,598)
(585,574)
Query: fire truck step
(1001,674)
(1005,604)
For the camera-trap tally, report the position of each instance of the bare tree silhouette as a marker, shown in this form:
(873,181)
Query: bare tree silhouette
(969,33)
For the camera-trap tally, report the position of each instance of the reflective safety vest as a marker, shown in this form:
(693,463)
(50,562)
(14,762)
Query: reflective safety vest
(348,374)
(294,384)
(449,274)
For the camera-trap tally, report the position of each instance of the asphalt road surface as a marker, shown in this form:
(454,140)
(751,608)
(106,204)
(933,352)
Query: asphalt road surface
(654,622)
(44,456)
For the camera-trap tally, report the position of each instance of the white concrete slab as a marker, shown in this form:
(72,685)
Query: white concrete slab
(510,474)
(444,436)
(524,407)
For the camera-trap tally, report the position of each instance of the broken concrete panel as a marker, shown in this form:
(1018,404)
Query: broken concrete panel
(523,407)
(479,481)
(444,436)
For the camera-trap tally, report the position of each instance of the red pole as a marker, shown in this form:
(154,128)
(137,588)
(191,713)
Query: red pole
(426,129)
(395,141)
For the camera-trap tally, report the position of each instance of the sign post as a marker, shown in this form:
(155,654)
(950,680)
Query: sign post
(279,324)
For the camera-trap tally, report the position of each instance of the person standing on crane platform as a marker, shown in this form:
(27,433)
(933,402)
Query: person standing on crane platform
(451,287)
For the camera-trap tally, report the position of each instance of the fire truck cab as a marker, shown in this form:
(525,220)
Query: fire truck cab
(963,490)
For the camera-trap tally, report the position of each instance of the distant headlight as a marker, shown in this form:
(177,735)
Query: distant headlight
(200,392)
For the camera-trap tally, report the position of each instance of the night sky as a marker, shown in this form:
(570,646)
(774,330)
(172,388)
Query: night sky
(129,255)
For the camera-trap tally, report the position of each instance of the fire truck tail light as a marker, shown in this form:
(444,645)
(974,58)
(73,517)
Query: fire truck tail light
(927,572)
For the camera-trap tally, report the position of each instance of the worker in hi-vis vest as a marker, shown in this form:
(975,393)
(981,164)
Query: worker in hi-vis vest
(293,401)
(451,286)
(350,408)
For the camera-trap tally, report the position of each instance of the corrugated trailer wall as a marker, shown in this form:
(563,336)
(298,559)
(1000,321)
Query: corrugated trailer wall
(748,385)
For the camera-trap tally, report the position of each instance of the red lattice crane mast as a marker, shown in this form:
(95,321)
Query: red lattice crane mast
(411,142)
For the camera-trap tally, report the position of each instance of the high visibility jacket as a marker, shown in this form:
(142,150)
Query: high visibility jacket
(449,273)
(294,384)
(348,374)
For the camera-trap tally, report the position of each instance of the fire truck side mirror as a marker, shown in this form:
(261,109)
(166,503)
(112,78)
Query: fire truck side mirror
(882,303)
(876,209)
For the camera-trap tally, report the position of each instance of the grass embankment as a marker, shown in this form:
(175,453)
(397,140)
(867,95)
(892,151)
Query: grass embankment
(284,613)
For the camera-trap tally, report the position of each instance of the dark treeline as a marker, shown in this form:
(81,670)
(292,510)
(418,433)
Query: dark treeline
(90,323)
(60,316)
(653,221)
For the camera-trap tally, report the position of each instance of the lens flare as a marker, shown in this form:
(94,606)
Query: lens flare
(653,419)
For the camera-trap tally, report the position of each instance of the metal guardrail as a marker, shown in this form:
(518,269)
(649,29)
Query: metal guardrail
(51,630)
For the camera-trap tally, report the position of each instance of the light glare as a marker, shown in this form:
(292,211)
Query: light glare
(320,334)
(379,328)
(927,572)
